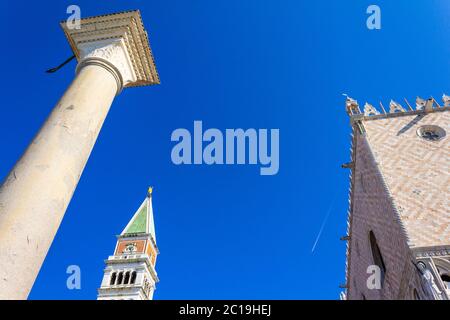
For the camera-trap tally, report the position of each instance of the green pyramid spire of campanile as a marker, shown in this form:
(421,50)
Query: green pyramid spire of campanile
(142,220)
(139,221)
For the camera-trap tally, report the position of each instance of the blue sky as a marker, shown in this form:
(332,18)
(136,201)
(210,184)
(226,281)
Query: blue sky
(224,232)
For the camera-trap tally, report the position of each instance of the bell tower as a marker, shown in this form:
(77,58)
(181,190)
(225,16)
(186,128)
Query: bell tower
(130,272)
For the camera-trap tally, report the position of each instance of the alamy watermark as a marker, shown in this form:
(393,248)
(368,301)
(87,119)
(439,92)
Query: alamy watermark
(249,146)
(74,280)
(74,20)
(374,279)
(374,20)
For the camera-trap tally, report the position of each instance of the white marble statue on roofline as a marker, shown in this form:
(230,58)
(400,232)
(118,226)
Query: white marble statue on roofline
(429,283)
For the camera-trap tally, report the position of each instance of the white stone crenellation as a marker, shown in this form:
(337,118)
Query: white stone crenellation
(395,108)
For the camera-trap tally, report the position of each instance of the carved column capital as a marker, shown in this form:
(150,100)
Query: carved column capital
(117,42)
(112,55)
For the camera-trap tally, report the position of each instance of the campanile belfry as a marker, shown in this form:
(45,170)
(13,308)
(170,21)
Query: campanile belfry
(130,272)
(399,213)
(113,53)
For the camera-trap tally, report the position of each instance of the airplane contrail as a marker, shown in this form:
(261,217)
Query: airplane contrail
(323,224)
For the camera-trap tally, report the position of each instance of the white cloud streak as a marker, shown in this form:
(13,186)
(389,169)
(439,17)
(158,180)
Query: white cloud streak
(330,208)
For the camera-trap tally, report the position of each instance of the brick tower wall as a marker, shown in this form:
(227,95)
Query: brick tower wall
(374,210)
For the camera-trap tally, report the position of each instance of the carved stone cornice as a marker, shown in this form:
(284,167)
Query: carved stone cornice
(119,43)
(430,252)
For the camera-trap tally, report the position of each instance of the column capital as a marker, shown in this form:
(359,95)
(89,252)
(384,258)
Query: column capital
(117,42)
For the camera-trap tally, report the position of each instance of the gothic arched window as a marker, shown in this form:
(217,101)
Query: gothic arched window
(445,277)
(127,277)
(133,277)
(443,268)
(120,278)
(376,255)
(113,278)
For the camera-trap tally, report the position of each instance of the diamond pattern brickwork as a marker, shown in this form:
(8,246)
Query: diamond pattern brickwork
(417,174)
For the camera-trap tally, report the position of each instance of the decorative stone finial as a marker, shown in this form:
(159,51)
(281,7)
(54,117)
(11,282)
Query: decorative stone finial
(351,105)
(395,107)
(446,100)
(426,105)
(369,110)
(420,103)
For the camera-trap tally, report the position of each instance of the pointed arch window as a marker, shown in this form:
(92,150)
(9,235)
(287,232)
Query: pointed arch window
(120,278)
(376,255)
(443,268)
(127,277)
(113,278)
(446,280)
(133,277)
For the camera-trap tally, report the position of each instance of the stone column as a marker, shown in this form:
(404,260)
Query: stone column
(37,191)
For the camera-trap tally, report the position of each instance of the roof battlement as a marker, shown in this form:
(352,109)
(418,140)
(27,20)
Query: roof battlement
(395,109)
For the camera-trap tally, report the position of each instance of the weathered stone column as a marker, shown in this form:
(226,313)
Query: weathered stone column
(113,53)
